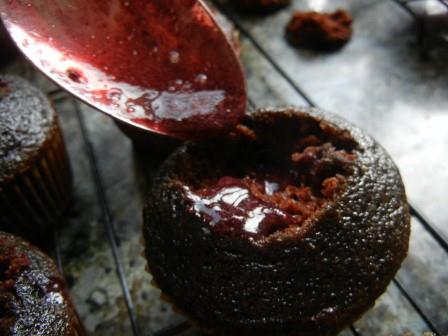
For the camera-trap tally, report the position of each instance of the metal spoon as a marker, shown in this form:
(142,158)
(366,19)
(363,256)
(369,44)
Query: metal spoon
(161,65)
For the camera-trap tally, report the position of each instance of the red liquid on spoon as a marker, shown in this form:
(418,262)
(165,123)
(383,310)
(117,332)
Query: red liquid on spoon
(163,65)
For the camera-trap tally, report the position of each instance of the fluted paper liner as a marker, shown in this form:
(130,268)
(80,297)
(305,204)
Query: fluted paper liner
(33,201)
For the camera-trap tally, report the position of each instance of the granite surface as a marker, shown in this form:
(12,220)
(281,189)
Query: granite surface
(377,82)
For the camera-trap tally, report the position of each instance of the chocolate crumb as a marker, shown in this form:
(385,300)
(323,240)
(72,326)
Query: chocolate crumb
(319,31)
(246,131)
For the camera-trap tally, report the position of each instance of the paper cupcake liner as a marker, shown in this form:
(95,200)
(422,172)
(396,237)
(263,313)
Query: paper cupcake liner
(35,199)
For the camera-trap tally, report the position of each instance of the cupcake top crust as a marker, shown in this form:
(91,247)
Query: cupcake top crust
(33,298)
(26,119)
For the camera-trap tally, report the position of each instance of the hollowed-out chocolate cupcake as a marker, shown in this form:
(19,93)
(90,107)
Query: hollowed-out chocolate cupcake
(33,296)
(35,176)
(293,224)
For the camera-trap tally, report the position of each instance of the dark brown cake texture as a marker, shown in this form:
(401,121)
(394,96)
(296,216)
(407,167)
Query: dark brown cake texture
(35,177)
(293,224)
(319,31)
(33,296)
(260,6)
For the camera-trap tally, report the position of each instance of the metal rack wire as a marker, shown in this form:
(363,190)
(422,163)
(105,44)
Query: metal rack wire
(108,219)
(422,11)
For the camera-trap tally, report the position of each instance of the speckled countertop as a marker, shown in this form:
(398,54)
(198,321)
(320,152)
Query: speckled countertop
(378,81)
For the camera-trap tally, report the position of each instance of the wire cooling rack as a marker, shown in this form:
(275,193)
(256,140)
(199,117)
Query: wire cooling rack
(108,220)
(426,14)
(424,7)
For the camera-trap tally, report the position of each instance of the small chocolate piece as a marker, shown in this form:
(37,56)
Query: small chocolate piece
(319,31)
(260,6)
(34,299)
(293,224)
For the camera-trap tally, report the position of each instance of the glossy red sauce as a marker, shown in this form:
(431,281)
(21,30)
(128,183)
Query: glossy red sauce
(161,64)
(232,208)
(273,196)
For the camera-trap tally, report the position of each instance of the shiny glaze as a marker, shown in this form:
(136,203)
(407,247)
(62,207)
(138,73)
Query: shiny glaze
(162,65)
(232,208)
(273,196)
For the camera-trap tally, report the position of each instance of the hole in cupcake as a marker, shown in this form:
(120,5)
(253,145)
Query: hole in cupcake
(270,176)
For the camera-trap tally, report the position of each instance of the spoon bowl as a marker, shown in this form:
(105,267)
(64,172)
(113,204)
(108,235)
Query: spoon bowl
(161,65)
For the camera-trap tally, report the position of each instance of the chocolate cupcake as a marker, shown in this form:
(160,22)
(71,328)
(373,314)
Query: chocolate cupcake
(293,224)
(35,177)
(33,295)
